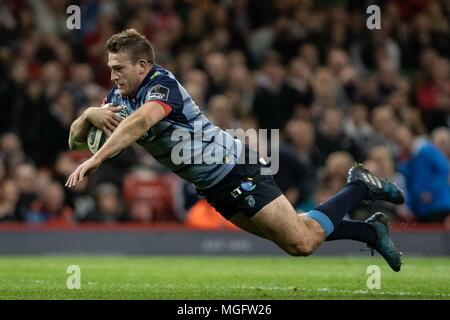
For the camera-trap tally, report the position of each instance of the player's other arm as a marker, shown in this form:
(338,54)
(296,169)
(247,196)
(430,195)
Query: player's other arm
(78,132)
(102,118)
(131,129)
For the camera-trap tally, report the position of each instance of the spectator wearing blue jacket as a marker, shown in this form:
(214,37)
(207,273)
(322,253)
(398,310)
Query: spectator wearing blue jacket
(426,171)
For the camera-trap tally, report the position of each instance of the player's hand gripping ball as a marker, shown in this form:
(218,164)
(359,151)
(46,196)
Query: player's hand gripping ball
(96,137)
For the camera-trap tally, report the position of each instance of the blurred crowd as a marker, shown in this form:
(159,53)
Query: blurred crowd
(337,91)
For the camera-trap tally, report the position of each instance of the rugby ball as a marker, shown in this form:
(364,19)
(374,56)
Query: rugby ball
(96,137)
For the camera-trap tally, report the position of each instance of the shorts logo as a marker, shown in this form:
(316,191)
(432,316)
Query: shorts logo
(157,92)
(248,185)
(250,201)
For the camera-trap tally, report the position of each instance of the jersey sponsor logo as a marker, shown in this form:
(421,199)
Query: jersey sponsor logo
(236,192)
(157,92)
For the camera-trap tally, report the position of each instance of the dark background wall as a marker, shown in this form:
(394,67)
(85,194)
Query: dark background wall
(166,241)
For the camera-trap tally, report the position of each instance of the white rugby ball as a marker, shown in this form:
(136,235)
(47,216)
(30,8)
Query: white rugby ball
(96,137)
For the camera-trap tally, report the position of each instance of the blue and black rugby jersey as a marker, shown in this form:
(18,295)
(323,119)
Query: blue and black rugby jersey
(185,141)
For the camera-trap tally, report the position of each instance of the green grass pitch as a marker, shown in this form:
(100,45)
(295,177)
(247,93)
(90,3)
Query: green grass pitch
(43,277)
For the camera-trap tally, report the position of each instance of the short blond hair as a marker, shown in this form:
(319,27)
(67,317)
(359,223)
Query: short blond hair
(133,43)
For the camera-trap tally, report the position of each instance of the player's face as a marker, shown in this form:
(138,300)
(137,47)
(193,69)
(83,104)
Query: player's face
(124,73)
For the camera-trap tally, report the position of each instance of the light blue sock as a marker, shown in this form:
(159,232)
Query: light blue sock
(323,220)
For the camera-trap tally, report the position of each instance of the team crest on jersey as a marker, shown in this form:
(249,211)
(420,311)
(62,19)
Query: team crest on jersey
(250,201)
(157,92)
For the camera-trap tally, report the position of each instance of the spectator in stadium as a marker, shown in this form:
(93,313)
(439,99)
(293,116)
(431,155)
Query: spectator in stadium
(216,69)
(331,137)
(109,206)
(299,78)
(28,118)
(55,126)
(49,16)
(185,62)
(388,77)
(326,91)
(385,160)
(53,76)
(291,175)
(240,89)
(323,192)
(11,150)
(115,170)
(198,81)
(426,171)
(433,93)
(3,169)
(81,78)
(9,197)
(367,92)
(301,135)
(25,174)
(384,123)
(335,171)
(49,205)
(441,139)
(310,53)
(357,126)
(220,112)
(274,99)
(140,210)
(345,74)
(79,199)
(403,111)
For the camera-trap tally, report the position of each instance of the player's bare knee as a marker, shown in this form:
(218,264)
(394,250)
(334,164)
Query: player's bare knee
(301,251)
(301,248)
(308,248)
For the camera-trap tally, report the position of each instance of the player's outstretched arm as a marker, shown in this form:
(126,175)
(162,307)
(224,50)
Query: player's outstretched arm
(129,130)
(102,118)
